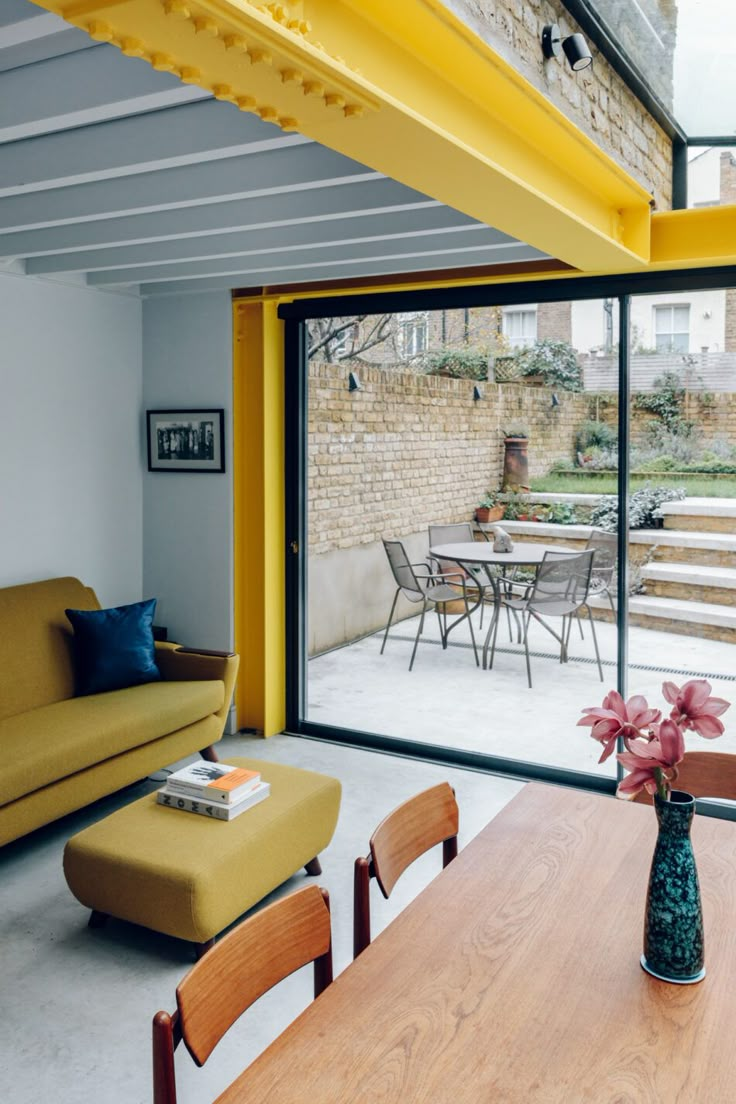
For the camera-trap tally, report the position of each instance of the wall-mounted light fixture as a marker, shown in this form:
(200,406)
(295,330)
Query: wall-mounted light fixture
(354,383)
(575,47)
(555,399)
(477,393)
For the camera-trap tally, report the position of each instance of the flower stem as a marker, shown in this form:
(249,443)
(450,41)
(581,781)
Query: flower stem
(662,788)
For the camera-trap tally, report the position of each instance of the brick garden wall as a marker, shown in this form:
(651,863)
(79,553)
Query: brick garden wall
(409,449)
(714,414)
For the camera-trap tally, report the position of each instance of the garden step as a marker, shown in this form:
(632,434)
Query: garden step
(716,585)
(711,620)
(715,515)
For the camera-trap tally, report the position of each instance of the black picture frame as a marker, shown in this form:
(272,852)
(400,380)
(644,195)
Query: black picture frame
(186,440)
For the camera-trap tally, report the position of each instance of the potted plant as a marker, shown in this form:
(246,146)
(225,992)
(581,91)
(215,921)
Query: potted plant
(515,458)
(489,509)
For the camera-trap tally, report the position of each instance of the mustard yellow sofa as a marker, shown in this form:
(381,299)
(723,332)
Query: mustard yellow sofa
(59,752)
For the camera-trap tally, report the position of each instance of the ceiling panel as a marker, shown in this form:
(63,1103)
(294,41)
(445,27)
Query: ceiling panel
(124,178)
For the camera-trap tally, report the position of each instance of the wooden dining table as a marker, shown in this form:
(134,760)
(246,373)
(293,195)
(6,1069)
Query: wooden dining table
(514,978)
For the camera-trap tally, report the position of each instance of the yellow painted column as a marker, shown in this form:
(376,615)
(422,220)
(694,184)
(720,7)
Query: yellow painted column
(258,416)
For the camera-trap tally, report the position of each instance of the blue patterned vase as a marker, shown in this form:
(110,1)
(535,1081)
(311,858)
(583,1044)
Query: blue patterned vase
(673,925)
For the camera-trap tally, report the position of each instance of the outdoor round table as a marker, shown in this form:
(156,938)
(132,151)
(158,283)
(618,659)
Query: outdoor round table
(523,554)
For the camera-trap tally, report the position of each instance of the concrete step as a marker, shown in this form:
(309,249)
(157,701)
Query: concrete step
(711,620)
(689,581)
(714,515)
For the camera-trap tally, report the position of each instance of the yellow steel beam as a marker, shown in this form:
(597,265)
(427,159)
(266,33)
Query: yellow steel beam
(258,417)
(691,239)
(406,88)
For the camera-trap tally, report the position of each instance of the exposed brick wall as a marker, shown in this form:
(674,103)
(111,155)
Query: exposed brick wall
(554,320)
(410,449)
(714,415)
(596,98)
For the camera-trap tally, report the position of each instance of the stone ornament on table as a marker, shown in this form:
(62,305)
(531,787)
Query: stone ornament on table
(502,541)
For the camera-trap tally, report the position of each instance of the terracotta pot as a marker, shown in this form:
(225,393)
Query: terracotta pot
(515,464)
(485,514)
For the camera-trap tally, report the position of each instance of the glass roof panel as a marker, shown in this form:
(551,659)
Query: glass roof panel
(685,50)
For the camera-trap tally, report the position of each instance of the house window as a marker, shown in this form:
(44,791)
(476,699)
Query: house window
(520,326)
(413,337)
(672,328)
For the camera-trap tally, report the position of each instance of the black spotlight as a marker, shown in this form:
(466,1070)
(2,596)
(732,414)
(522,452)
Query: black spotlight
(577,52)
(575,47)
(354,383)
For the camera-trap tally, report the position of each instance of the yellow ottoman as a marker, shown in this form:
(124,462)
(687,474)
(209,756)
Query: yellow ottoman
(188,876)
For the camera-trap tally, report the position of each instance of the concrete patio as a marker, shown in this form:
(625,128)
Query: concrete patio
(447,701)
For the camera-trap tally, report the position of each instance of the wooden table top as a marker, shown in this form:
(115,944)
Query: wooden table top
(515,977)
(523,552)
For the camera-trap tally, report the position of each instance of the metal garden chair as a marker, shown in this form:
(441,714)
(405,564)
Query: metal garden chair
(419,584)
(561,589)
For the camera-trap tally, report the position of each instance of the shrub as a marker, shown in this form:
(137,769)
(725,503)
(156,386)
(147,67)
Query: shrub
(666,402)
(555,361)
(644,505)
(596,435)
(562,464)
(458,363)
(660,464)
(562,513)
(514,505)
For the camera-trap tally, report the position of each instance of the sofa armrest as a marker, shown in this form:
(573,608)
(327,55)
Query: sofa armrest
(178,664)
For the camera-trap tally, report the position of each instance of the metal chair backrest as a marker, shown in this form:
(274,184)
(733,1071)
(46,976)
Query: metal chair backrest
(605,546)
(562,578)
(460,533)
(403,571)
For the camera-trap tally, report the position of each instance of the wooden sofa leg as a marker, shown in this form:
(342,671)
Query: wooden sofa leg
(209,754)
(313,867)
(201,949)
(97,919)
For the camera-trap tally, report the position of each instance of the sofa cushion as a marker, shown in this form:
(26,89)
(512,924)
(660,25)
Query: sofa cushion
(43,745)
(36,642)
(114,648)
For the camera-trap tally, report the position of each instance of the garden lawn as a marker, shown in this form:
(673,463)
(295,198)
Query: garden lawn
(696,486)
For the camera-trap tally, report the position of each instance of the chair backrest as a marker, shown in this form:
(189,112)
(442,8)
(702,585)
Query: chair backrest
(402,569)
(703,774)
(459,533)
(605,547)
(429,818)
(239,969)
(562,578)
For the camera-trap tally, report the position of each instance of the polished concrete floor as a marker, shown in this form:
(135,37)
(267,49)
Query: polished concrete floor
(76,1004)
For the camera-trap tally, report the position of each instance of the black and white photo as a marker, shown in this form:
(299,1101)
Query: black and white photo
(186,440)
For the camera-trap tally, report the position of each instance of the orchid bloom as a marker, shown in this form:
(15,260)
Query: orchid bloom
(647,762)
(619,718)
(693,707)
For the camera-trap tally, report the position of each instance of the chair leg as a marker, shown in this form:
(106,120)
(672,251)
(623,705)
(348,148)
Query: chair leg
(595,643)
(493,641)
(164,1079)
(580,624)
(526,651)
(610,600)
(419,633)
(388,623)
(470,622)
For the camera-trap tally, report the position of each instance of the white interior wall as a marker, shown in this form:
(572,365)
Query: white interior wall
(70,460)
(187,527)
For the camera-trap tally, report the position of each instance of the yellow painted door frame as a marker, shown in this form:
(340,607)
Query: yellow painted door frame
(258,457)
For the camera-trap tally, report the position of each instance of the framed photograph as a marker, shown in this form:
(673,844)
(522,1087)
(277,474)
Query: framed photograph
(186,440)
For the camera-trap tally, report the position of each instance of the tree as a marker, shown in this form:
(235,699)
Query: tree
(347,338)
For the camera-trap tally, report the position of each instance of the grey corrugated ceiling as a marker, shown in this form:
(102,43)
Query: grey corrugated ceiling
(123,178)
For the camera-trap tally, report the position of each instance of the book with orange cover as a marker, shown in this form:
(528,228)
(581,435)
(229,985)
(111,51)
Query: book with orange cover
(218,782)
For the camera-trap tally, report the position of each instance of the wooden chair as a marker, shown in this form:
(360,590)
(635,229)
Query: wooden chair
(238,970)
(703,774)
(411,829)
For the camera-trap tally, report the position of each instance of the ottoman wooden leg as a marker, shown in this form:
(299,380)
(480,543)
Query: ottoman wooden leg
(209,754)
(97,919)
(313,866)
(201,949)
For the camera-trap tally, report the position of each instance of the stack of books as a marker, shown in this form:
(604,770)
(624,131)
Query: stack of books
(215,790)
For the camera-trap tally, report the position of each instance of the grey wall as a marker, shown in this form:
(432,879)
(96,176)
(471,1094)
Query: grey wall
(187,518)
(70,470)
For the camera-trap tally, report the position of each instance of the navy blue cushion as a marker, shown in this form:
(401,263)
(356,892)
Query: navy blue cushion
(114,648)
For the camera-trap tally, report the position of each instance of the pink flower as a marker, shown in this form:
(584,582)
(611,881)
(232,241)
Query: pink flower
(692,707)
(619,718)
(648,761)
